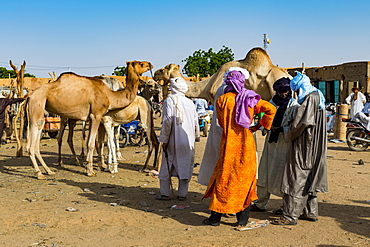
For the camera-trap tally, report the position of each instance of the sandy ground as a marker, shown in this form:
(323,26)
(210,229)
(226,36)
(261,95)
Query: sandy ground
(71,209)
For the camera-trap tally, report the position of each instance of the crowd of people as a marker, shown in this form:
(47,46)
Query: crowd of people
(293,163)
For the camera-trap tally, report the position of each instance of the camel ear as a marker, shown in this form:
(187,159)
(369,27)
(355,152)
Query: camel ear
(178,67)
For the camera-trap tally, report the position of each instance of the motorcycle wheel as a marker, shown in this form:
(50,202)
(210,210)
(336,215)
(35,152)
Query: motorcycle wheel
(123,136)
(357,145)
(138,137)
(53,134)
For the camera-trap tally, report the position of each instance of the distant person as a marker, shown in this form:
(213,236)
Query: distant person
(232,186)
(201,106)
(4,102)
(276,148)
(305,173)
(179,132)
(364,116)
(356,100)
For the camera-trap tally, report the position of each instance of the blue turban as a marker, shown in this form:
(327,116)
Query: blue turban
(302,84)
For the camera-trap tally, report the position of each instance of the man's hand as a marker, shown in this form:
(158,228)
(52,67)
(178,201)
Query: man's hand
(255,127)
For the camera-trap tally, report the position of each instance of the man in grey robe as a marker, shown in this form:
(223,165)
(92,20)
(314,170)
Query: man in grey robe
(305,172)
(276,147)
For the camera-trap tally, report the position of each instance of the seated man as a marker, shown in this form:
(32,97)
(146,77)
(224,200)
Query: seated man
(364,115)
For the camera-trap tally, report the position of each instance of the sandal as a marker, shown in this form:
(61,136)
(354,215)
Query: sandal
(252,225)
(304,217)
(283,222)
(163,198)
(210,222)
(181,198)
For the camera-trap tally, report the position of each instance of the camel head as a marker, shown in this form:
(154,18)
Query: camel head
(169,71)
(139,67)
(153,87)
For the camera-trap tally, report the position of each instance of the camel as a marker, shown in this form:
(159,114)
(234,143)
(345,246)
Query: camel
(263,74)
(81,98)
(151,88)
(138,109)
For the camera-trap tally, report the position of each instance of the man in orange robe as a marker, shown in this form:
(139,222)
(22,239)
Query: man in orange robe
(232,186)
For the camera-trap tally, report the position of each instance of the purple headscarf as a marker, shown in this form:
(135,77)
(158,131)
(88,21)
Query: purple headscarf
(244,99)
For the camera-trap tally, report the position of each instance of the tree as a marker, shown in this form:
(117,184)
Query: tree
(206,63)
(119,71)
(4,73)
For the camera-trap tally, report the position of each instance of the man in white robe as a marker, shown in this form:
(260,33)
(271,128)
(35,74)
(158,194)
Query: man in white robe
(179,132)
(356,100)
(364,115)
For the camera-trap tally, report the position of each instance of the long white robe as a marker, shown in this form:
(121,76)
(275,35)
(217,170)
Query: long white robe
(180,138)
(273,159)
(212,149)
(356,105)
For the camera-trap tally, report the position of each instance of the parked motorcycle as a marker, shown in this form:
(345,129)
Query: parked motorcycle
(132,133)
(358,137)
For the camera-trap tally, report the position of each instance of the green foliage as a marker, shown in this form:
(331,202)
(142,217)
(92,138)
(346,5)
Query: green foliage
(119,71)
(4,73)
(208,62)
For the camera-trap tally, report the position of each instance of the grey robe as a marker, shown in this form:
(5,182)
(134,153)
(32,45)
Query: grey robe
(305,171)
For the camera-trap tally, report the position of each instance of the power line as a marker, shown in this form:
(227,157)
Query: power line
(39,67)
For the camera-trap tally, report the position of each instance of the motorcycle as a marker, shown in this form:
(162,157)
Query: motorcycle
(358,137)
(132,133)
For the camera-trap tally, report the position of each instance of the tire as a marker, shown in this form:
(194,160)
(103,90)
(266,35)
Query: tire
(123,136)
(53,134)
(138,139)
(357,145)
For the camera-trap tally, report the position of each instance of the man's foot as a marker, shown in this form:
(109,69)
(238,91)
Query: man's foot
(278,211)
(163,198)
(257,209)
(181,198)
(283,222)
(304,217)
(229,215)
(210,222)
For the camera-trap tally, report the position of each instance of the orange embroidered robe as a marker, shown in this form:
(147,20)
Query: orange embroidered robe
(232,186)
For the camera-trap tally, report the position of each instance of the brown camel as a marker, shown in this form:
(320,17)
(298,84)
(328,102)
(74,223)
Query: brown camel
(81,98)
(115,85)
(139,109)
(263,74)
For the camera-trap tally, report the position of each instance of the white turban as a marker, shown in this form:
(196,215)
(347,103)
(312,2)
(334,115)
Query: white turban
(178,89)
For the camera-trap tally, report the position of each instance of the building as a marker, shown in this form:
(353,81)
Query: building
(336,81)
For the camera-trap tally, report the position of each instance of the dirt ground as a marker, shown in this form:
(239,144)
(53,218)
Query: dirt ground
(71,209)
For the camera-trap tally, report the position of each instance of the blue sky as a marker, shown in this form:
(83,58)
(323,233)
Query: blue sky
(92,37)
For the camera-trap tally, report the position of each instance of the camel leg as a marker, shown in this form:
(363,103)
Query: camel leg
(71,126)
(94,125)
(116,139)
(34,150)
(112,158)
(63,124)
(82,155)
(100,148)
